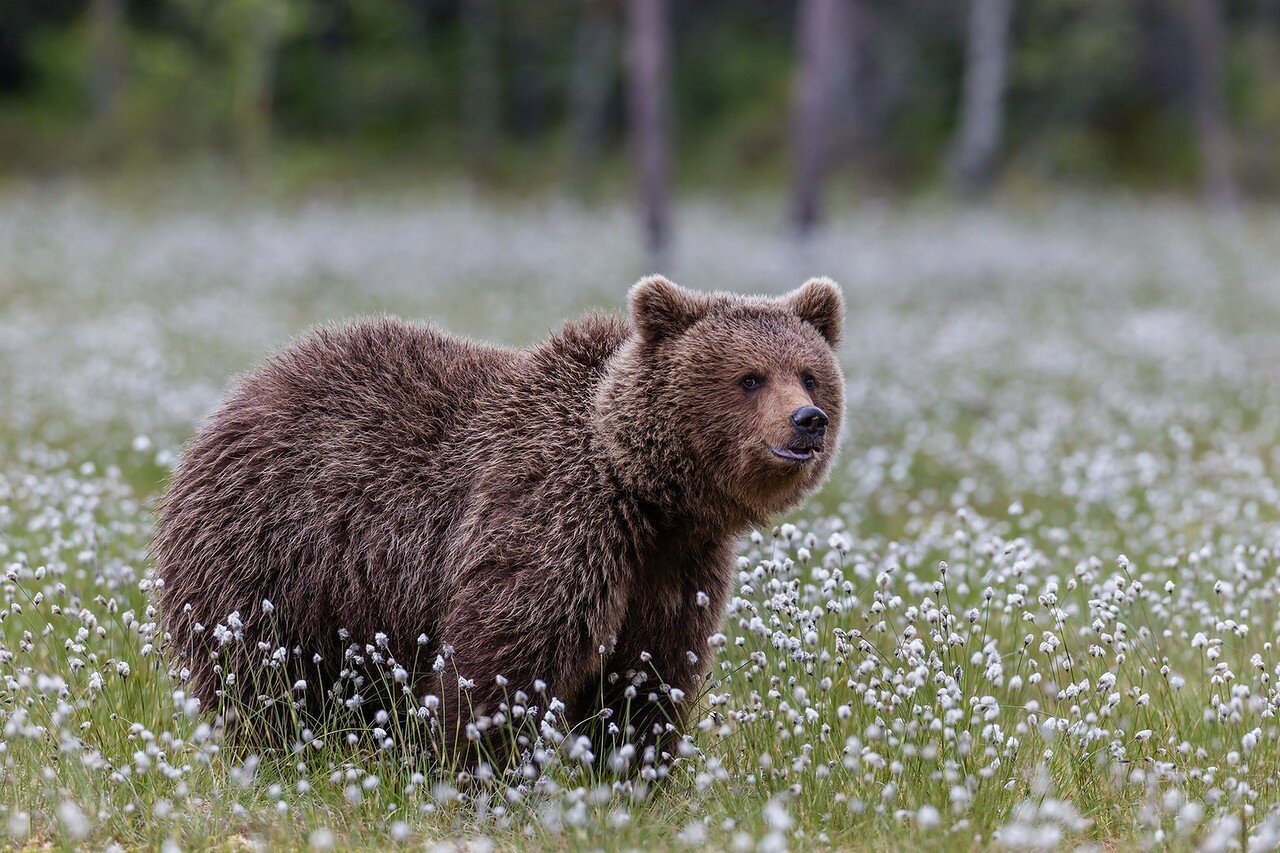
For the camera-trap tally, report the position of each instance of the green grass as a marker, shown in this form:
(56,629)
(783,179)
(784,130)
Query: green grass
(1033,393)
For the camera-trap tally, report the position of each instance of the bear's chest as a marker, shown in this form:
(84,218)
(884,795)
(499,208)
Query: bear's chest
(681,572)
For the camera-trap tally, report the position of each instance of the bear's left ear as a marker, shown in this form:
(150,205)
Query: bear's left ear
(820,304)
(661,309)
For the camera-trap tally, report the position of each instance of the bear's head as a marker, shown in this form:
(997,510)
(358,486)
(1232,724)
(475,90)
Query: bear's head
(723,405)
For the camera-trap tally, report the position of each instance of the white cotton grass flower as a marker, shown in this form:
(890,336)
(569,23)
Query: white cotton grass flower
(19,825)
(694,834)
(928,817)
(776,816)
(73,820)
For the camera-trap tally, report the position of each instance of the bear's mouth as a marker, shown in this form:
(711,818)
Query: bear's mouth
(794,454)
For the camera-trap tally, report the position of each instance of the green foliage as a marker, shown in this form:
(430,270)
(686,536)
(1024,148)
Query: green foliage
(1098,89)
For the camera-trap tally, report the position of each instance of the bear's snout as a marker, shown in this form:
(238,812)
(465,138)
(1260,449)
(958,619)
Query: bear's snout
(809,421)
(808,433)
(810,425)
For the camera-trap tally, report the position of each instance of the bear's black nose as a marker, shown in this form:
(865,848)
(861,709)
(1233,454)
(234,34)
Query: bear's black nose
(811,419)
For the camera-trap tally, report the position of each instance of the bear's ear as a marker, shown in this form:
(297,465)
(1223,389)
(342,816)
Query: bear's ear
(820,304)
(661,309)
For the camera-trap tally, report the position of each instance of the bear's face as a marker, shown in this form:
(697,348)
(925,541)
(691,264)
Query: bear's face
(748,392)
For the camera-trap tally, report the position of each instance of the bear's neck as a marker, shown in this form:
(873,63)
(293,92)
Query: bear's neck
(644,455)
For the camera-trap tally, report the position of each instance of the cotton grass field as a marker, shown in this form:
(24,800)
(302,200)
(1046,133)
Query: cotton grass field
(1037,606)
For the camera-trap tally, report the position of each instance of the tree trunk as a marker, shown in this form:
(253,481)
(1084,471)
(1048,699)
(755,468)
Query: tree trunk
(977,146)
(106,56)
(863,66)
(591,80)
(480,85)
(254,48)
(650,63)
(528,91)
(107,71)
(817,44)
(1208,95)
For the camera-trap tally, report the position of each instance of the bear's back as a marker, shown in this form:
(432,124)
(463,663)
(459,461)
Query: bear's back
(348,415)
(406,380)
(321,477)
(332,480)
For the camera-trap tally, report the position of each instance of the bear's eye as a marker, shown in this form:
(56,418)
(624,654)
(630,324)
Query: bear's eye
(751,382)
(810,382)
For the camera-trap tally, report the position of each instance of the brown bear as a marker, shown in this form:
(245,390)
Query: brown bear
(559,520)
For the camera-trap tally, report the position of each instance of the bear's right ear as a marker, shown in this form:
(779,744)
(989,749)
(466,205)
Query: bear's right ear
(661,309)
(820,304)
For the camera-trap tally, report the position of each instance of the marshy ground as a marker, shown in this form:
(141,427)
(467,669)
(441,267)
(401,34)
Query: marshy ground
(1038,603)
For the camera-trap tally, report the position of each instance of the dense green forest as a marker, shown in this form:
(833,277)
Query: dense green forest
(512,93)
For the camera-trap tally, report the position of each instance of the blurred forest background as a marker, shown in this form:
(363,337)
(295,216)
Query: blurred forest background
(811,98)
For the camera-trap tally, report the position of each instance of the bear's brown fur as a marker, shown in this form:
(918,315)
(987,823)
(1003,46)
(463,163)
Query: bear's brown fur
(551,513)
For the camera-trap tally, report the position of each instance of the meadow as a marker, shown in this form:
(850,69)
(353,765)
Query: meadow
(1037,605)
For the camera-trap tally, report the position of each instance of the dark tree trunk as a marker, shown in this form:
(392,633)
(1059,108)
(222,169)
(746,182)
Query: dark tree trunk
(528,92)
(481,108)
(591,80)
(818,39)
(1208,95)
(976,151)
(863,33)
(254,50)
(650,63)
(106,63)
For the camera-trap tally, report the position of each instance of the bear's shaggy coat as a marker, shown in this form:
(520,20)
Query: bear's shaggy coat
(550,514)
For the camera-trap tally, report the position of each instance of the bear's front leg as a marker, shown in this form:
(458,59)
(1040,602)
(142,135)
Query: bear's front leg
(655,676)
(506,636)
